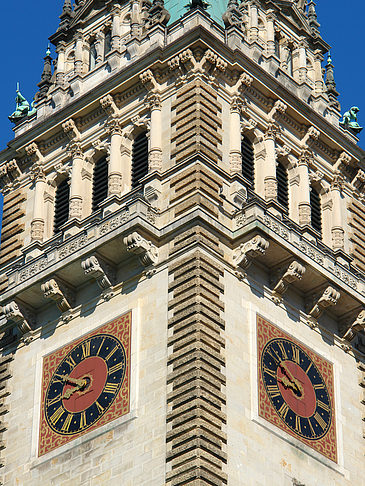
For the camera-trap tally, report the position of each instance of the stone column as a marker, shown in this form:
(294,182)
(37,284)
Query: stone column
(318,77)
(60,73)
(338,240)
(270,32)
(155,153)
(304,207)
(270,181)
(116,28)
(302,61)
(235,156)
(254,25)
(37,225)
(76,181)
(79,62)
(115,163)
(126,154)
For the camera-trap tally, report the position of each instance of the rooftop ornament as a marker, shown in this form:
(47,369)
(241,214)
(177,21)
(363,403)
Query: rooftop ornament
(22,108)
(197,4)
(349,120)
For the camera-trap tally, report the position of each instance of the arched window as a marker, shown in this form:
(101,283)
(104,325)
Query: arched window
(316,210)
(92,56)
(139,158)
(248,160)
(100,183)
(107,42)
(283,185)
(62,203)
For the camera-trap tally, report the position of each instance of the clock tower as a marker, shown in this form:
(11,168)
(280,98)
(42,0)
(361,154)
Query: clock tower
(182,259)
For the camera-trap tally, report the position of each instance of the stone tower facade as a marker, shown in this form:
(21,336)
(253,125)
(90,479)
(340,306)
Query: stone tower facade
(184,193)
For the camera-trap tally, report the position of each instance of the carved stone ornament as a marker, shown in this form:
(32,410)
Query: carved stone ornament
(34,153)
(294,272)
(272,131)
(148,80)
(14,316)
(233,16)
(92,266)
(277,110)
(157,14)
(246,252)
(51,290)
(359,180)
(357,326)
(108,105)
(70,129)
(146,251)
(329,298)
(311,135)
(9,173)
(337,182)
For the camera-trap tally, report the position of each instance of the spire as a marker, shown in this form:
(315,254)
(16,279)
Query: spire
(330,84)
(312,18)
(66,15)
(46,77)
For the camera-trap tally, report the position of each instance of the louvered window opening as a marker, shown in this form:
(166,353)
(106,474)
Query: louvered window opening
(62,204)
(100,183)
(107,42)
(139,158)
(92,56)
(248,160)
(316,211)
(283,186)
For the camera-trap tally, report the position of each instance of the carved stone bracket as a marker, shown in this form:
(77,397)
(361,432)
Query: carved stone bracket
(34,153)
(148,80)
(328,298)
(51,290)
(18,317)
(94,267)
(9,173)
(358,181)
(109,106)
(311,136)
(70,129)
(294,272)
(146,251)
(277,110)
(357,326)
(246,252)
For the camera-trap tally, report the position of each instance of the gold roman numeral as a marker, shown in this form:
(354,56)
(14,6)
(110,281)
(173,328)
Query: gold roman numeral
(116,367)
(67,423)
(56,415)
(296,354)
(111,388)
(319,386)
(309,367)
(320,420)
(54,400)
(101,345)
(324,406)
(283,410)
(111,353)
(274,391)
(274,355)
(298,426)
(283,351)
(312,429)
(71,362)
(83,420)
(270,372)
(99,407)
(86,349)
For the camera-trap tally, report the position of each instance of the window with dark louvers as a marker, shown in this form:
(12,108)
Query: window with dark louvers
(316,211)
(283,186)
(248,160)
(107,42)
(100,183)
(62,203)
(139,158)
(92,56)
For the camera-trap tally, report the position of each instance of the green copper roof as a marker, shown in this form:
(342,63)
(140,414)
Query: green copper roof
(177,9)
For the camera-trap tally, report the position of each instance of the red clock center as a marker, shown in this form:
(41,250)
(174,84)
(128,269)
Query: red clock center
(296,389)
(93,372)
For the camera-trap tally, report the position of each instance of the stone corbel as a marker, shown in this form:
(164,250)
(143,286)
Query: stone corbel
(52,290)
(343,162)
(277,110)
(34,153)
(109,106)
(144,249)
(96,269)
(311,136)
(358,182)
(148,80)
(9,173)
(357,326)
(244,82)
(246,252)
(213,64)
(294,272)
(16,316)
(182,64)
(328,298)
(70,129)
(248,125)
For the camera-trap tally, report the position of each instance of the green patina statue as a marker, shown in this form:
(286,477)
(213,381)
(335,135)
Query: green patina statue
(197,4)
(349,120)
(22,108)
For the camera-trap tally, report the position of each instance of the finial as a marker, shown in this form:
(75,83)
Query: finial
(17,87)
(48,51)
(331,84)
(312,18)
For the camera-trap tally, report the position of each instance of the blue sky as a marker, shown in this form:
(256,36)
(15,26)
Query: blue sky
(25,27)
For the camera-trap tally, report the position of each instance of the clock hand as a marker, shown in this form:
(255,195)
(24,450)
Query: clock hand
(294,381)
(73,381)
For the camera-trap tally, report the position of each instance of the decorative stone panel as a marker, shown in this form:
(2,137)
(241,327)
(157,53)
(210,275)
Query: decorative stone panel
(197,122)
(13,226)
(357,224)
(196,419)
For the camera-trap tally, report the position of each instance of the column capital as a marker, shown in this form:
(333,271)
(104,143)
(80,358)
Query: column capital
(272,131)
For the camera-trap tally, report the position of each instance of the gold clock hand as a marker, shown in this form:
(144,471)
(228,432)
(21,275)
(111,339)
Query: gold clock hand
(294,381)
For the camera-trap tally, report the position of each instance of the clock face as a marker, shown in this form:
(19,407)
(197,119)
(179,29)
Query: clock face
(85,384)
(296,389)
